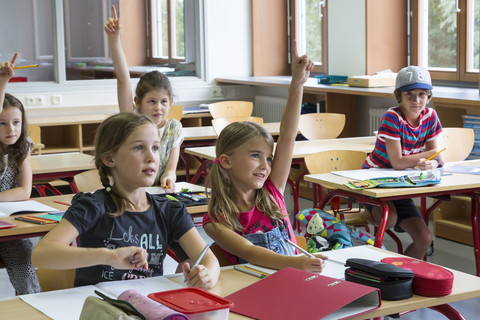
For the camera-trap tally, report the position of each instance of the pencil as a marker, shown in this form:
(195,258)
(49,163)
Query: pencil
(300,249)
(433,156)
(61,202)
(24,67)
(251,272)
(200,257)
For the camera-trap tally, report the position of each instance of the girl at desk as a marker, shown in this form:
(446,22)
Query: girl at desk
(406,139)
(247,216)
(15,181)
(123,231)
(154,98)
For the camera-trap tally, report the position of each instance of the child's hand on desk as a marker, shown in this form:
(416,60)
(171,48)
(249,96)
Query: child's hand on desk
(316,264)
(198,277)
(167,182)
(129,258)
(424,164)
(6,68)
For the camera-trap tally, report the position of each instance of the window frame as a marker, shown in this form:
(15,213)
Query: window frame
(319,68)
(170,60)
(461,74)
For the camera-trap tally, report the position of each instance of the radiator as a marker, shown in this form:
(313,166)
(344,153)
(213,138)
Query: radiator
(375,116)
(269,108)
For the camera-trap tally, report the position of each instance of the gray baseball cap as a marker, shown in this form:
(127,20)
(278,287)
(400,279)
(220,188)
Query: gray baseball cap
(413,77)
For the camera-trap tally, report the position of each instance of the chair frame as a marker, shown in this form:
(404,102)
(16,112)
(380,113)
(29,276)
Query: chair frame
(232,108)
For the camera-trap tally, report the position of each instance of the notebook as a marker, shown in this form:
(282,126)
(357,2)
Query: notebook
(28,206)
(304,295)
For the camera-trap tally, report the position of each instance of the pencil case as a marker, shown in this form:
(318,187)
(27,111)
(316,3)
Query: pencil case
(394,283)
(188,198)
(429,280)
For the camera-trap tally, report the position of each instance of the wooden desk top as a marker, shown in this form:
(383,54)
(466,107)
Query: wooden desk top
(464,96)
(453,182)
(302,148)
(208,133)
(465,286)
(61,162)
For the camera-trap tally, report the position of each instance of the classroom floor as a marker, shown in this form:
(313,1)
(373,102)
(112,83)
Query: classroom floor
(447,253)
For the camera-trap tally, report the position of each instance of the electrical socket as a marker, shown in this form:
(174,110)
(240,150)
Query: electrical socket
(35,100)
(56,99)
(217,92)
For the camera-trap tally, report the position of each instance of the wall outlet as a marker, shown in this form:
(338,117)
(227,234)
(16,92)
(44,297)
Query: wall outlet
(35,100)
(56,99)
(217,92)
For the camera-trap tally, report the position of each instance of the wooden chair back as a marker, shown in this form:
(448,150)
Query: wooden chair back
(175,112)
(88,181)
(34,134)
(334,160)
(458,141)
(50,279)
(224,109)
(220,123)
(315,126)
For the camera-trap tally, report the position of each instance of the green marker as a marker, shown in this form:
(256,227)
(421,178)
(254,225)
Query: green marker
(421,175)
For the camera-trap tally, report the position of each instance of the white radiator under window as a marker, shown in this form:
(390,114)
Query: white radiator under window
(269,108)
(375,117)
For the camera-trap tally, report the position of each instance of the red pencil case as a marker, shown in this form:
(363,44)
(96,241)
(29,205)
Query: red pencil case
(429,280)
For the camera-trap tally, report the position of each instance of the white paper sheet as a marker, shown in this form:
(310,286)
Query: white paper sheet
(28,206)
(67,304)
(364,174)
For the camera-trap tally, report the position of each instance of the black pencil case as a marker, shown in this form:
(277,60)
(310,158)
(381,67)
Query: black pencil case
(187,198)
(395,283)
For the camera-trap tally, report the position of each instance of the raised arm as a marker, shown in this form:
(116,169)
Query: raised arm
(6,72)
(124,86)
(301,67)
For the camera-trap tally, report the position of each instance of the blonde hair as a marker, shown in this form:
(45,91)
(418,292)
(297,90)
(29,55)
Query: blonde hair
(221,203)
(110,136)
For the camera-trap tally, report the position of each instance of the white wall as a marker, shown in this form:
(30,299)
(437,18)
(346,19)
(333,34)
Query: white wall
(346,37)
(228,38)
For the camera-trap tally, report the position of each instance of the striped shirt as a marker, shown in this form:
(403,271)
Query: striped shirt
(395,126)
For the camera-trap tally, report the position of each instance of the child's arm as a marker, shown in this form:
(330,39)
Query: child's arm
(400,162)
(289,124)
(169,176)
(54,252)
(205,274)
(241,247)
(23,189)
(6,72)
(124,86)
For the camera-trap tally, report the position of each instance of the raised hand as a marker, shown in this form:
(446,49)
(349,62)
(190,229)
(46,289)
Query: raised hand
(6,68)
(301,66)
(112,26)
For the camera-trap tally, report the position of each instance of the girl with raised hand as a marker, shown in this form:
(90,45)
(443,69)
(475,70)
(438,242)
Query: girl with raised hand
(247,216)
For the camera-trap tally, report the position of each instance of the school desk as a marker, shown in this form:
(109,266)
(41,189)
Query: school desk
(300,149)
(49,167)
(453,184)
(30,230)
(206,136)
(465,286)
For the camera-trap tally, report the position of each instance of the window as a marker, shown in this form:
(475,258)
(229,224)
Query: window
(66,38)
(167,28)
(309,27)
(446,34)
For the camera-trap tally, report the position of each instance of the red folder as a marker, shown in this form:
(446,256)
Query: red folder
(296,294)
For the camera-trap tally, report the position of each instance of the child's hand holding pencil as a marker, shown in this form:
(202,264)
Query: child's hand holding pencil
(423,163)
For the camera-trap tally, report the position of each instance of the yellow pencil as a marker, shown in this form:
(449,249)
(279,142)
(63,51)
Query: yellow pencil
(432,156)
(24,67)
